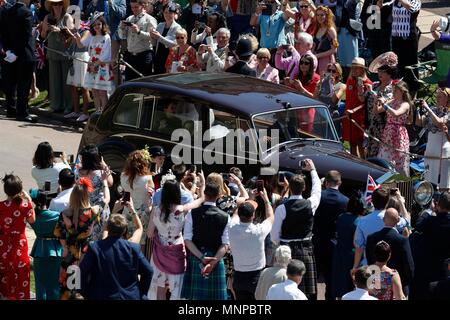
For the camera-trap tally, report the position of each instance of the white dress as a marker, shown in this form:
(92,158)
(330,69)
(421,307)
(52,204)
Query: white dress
(169,233)
(99,77)
(141,201)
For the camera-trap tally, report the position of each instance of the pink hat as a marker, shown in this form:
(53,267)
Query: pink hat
(385,59)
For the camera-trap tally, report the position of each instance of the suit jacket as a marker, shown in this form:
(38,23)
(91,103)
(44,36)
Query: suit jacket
(241,67)
(401,258)
(110,269)
(16,32)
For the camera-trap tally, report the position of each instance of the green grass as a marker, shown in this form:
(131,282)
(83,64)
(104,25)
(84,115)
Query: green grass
(43,102)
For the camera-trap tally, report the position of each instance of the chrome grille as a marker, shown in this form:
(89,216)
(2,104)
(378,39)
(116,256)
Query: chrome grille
(406,190)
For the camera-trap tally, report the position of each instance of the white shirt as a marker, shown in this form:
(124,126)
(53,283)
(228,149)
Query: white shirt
(189,231)
(61,201)
(48,174)
(280,212)
(358,294)
(247,244)
(287,290)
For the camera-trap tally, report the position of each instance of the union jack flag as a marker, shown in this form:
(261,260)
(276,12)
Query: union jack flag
(40,55)
(76,167)
(84,25)
(370,188)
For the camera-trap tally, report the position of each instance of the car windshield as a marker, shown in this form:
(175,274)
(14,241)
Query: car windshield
(296,123)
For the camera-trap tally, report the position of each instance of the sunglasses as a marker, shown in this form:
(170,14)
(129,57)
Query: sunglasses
(305,63)
(57,4)
(304,7)
(260,58)
(332,70)
(180,37)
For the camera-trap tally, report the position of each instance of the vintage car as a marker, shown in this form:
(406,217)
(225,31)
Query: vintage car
(237,115)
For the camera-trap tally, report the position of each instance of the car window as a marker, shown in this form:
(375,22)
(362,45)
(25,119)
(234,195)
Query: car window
(170,114)
(127,112)
(221,123)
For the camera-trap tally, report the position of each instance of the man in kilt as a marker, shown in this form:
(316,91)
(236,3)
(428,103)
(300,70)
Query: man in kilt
(206,236)
(294,223)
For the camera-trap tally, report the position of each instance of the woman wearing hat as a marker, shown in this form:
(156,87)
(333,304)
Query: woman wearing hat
(437,121)
(358,84)
(54,22)
(385,65)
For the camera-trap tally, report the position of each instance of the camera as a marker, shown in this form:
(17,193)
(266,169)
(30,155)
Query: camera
(51,21)
(57,154)
(302,163)
(126,197)
(127,23)
(47,185)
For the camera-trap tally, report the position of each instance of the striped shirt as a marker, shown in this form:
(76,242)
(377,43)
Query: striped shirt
(401,18)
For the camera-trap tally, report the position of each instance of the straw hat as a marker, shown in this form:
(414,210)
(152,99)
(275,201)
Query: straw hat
(359,62)
(385,59)
(48,4)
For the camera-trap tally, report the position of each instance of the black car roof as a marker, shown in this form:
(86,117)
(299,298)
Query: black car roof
(240,94)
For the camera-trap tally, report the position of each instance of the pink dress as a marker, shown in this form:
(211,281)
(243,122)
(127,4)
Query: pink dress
(395,134)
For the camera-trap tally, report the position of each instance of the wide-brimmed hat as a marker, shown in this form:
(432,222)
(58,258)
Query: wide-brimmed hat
(48,4)
(389,59)
(244,48)
(359,62)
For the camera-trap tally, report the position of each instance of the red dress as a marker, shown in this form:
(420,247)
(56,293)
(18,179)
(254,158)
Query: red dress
(352,102)
(305,117)
(14,259)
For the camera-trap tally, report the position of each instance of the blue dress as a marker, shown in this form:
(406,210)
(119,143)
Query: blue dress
(344,254)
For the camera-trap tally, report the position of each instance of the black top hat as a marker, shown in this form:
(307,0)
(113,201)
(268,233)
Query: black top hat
(157,151)
(244,48)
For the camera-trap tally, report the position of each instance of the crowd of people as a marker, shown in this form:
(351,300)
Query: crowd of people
(169,232)
(180,235)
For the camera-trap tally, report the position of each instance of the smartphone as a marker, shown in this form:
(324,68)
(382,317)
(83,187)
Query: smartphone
(302,163)
(71,158)
(127,23)
(360,82)
(199,168)
(225,176)
(126,197)
(57,154)
(47,186)
(193,168)
(285,46)
(260,185)
(281,177)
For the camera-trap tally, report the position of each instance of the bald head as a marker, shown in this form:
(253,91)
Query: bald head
(391,217)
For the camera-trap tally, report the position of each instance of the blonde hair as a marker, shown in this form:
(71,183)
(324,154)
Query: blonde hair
(216,179)
(79,199)
(182,31)
(263,51)
(338,69)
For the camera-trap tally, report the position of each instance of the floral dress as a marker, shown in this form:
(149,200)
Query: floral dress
(14,259)
(176,59)
(395,135)
(376,120)
(101,76)
(383,286)
(77,241)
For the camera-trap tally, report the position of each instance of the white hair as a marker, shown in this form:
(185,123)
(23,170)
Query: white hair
(282,256)
(226,31)
(305,37)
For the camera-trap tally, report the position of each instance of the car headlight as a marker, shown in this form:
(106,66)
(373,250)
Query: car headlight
(423,192)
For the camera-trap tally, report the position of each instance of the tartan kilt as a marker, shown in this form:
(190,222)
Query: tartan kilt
(304,251)
(196,287)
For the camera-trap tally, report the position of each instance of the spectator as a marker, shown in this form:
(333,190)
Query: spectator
(357,85)
(99,77)
(169,255)
(307,78)
(404,35)
(182,57)
(239,20)
(139,52)
(288,290)
(369,224)
(264,70)
(46,169)
(192,14)
(15,212)
(344,252)
(114,12)
(158,157)
(332,204)
(397,202)
(234,188)
(388,285)
(19,73)
(97,171)
(378,38)
(128,280)
(325,39)
(158,9)
(54,22)
(305,20)
(247,246)
(206,236)
(385,66)
(395,134)
(361,279)
(348,14)
(271,21)
(216,56)
(66,182)
(288,58)
(76,76)
(401,258)
(137,180)
(294,222)
(275,274)
(164,35)
(244,51)
(438,145)
(47,251)
(215,22)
